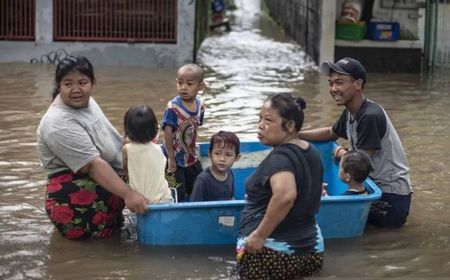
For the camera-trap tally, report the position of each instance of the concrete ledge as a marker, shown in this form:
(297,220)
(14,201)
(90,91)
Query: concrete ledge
(400,44)
(384,60)
(150,55)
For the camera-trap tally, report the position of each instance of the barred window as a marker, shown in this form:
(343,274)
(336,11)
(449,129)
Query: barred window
(17,20)
(115,20)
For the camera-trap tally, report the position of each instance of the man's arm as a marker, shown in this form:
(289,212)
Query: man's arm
(318,134)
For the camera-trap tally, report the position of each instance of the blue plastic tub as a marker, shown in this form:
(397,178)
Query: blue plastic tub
(213,223)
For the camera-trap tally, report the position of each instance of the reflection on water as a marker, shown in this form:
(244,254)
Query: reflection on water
(244,67)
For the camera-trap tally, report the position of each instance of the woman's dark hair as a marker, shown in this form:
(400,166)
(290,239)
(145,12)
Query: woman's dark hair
(357,164)
(140,124)
(225,139)
(289,108)
(72,63)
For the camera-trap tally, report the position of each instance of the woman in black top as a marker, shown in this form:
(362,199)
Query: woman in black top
(279,237)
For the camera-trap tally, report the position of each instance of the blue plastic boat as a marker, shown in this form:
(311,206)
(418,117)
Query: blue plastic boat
(217,222)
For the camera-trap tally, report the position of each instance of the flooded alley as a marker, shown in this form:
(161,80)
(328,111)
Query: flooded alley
(243,67)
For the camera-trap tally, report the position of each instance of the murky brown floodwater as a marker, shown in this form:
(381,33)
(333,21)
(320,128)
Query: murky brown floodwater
(244,66)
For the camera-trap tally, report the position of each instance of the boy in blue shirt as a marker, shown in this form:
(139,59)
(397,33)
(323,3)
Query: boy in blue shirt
(182,117)
(217,181)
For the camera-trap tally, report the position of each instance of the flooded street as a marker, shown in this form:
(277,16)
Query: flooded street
(243,68)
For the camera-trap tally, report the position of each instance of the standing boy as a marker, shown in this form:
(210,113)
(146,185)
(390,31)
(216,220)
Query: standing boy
(367,127)
(217,181)
(182,117)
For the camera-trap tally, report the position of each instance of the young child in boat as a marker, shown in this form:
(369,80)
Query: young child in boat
(354,168)
(143,159)
(217,181)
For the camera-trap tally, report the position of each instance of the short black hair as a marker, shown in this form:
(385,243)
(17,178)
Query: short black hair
(226,139)
(72,63)
(140,124)
(289,108)
(199,72)
(357,164)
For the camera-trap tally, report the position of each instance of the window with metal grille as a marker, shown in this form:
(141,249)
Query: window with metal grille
(17,19)
(115,20)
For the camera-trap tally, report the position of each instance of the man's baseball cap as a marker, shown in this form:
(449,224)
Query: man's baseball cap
(345,66)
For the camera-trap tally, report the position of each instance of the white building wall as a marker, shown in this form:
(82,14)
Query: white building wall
(327,29)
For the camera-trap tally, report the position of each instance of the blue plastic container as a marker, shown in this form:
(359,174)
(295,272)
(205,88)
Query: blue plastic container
(191,223)
(383,31)
(217,222)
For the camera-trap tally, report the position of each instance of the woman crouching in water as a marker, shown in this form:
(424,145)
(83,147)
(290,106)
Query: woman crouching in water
(279,237)
(81,152)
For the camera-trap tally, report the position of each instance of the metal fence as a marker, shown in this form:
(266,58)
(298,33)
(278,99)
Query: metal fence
(301,20)
(442,55)
(437,34)
(115,20)
(202,10)
(17,19)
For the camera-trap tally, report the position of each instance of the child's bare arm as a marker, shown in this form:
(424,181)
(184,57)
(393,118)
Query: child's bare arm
(125,159)
(168,138)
